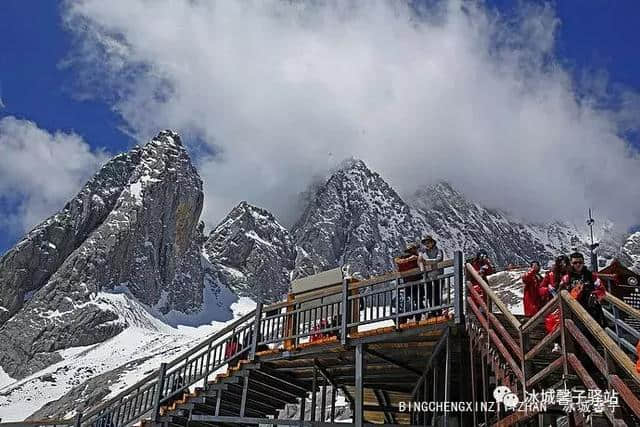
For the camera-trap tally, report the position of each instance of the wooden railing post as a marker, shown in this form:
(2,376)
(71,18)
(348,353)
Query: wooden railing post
(397,308)
(158,395)
(565,339)
(525,365)
(458,267)
(256,331)
(208,367)
(345,311)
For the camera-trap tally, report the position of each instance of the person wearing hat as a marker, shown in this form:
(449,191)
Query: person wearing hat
(428,257)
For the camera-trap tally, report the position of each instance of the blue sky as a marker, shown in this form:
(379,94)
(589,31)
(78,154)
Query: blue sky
(595,37)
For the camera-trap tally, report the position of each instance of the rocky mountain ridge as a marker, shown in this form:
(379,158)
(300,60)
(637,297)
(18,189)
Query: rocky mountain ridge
(135,225)
(355,217)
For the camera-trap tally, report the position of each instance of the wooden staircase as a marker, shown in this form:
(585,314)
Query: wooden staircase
(267,394)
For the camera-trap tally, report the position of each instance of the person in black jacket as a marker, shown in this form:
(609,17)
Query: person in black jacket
(580,276)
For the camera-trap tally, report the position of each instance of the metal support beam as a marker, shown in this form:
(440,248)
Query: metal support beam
(447,376)
(473,382)
(345,311)
(332,381)
(303,401)
(483,361)
(243,401)
(323,401)
(314,389)
(436,351)
(382,405)
(394,362)
(359,395)
(218,402)
(333,404)
(436,365)
(459,286)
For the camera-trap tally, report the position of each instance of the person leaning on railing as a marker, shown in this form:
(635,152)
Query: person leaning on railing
(484,268)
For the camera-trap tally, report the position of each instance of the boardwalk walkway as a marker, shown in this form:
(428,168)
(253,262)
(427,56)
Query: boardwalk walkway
(364,341)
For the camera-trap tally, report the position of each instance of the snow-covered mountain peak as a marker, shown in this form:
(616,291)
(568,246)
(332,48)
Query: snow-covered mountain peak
(134,224)
(251,252)
(438,196)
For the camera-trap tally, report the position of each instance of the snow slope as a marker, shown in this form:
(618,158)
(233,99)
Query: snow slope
(142,346)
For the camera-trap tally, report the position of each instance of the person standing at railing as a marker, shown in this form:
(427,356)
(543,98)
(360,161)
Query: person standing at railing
(484,268)
(429,256)
(533,292)
(584,287)
(552,279)
(552,282)
(408,261)
(232,348)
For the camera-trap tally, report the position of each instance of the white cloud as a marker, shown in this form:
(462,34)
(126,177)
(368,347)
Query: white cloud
(454,93)
(40,171)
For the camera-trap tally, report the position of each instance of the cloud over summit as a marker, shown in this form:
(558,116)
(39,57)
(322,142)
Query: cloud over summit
(281,91)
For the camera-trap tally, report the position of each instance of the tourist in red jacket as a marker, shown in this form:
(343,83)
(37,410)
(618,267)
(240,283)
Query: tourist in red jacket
(484,268)
(533,294)
(552,280)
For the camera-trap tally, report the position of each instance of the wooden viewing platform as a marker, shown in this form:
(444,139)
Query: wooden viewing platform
(365,342)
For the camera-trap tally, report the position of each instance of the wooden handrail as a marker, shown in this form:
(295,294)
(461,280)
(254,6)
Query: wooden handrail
(494,298)
(337,289)
(596,330)
(536,318)
(154,375)
(622,305)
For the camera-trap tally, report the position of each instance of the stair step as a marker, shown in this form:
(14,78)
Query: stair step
(174,420)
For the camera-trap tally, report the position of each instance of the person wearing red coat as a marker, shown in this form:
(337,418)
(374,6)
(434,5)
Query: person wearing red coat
(534,294)
(552,283)
(484,268)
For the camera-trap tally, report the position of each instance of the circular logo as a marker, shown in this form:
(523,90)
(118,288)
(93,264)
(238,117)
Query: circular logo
(510,400)
(632,281)
(500,392)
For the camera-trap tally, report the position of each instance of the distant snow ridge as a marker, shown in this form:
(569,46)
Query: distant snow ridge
(355,217)
(468,226)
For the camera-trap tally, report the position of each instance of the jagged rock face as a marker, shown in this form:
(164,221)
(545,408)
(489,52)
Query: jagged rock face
(631,251)
(252,253)
(356,218)
(455,219)
(149,241)
(469,226)
(27,267)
